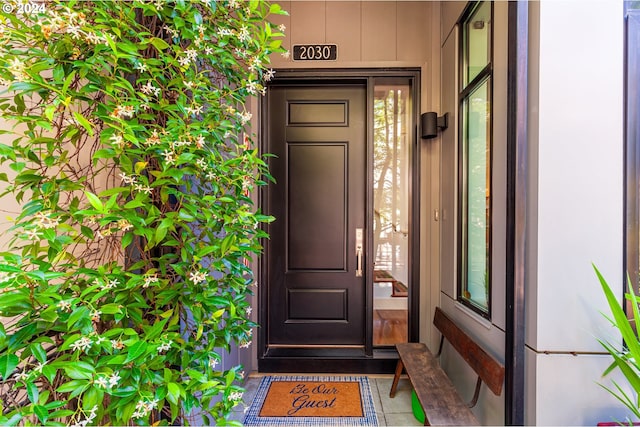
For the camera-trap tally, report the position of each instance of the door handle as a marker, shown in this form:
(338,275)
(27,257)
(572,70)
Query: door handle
(359,238)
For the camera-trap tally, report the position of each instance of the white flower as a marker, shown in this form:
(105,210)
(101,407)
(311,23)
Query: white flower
(184,61)
(245,344)
(101,381)
(43,221)
(149,280)
(169,157)
(74,30)
(202,163)
(127,179)
(282,28)
(95,315)
(255,63)
(143,188)
(64,305)
(117,344)
(192,54)
(140,66)
(114,378)
(117,140)
(243,34)
(268,75)
(144,407)
(16,67)
(21,376)
(111,284)
(251,87)
(208,50)
(285,54)
(124,225)
(249,310)
(235,396)
(195,109)
(213,363)
(245,117)
(165,346)
(197,277)
(149,89)
(82,344)
(32,235)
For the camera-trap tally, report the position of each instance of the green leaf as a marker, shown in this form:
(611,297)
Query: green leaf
(8,363)
(83,122)
(95,201)
(38,352)
(173,393)
(41,412)
(72,385)
(32,392)
(136,350)
(79,370)
(159,43)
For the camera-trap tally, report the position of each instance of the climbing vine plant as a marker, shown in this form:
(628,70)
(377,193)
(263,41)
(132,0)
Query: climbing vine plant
(124,144)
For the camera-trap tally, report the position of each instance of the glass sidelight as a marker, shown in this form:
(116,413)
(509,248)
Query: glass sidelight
(392,114)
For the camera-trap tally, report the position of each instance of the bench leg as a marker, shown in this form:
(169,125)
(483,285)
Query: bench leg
(396,377)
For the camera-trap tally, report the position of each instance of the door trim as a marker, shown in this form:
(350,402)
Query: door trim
(367,359)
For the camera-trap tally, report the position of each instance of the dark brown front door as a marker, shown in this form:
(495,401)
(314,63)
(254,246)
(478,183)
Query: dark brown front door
(316,281)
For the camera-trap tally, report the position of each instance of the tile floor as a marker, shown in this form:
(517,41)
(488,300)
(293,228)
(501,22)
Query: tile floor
(391,412)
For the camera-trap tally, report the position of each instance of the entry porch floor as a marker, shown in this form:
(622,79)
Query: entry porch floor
(391,412)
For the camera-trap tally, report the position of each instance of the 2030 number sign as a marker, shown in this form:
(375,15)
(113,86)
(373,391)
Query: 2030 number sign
(315,52)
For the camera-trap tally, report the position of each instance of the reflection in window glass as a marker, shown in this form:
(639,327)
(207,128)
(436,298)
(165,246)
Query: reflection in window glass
(477,195)
(474,219)
(391,174)
(477,41)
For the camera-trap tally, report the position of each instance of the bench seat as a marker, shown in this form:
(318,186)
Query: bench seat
(442,404)
(436,393)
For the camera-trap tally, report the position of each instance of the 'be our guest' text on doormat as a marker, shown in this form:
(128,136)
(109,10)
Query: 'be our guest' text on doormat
(312,401)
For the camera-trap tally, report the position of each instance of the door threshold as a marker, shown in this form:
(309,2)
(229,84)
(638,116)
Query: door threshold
(345,361)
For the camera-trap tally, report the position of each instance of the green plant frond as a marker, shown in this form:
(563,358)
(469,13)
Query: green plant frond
(624,398)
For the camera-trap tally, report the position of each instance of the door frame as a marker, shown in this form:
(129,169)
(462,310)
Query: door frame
(371,360)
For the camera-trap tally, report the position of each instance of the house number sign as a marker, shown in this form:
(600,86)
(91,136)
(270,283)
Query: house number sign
(315,52)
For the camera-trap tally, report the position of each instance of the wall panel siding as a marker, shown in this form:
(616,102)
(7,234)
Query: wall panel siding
(308,21)
(379,35)
(368,33)
(413,24)
(344,29)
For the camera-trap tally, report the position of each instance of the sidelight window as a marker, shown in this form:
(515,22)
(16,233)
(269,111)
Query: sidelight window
(391,189)
(474,279)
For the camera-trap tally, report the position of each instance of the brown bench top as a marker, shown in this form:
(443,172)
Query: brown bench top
(437,395)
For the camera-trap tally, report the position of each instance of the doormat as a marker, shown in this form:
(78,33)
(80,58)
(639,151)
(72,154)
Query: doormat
(312,401)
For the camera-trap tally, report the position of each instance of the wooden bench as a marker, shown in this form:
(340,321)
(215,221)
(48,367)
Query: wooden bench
(440,401)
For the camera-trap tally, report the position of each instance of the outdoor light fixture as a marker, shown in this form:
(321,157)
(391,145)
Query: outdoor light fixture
(430,123)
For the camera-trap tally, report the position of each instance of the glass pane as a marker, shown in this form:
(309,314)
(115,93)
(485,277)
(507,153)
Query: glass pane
(391,213)
(477,198)
(477,47)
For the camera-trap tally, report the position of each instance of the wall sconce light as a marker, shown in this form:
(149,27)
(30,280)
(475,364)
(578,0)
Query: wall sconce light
(430,123)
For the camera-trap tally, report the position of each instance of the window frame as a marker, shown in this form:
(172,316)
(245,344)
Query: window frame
(632,151)
(464,92)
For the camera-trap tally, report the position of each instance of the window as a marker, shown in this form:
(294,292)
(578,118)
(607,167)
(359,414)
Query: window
(632,136)
(392,112)
(475,119)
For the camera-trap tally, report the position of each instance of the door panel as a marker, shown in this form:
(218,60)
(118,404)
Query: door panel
(318,136)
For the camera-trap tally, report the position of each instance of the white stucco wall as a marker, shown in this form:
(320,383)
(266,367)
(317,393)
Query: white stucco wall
(576,206)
